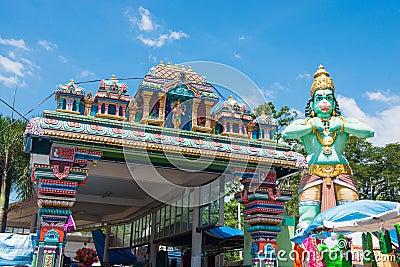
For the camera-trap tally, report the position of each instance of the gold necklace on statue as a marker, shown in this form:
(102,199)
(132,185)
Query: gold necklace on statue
(327,140)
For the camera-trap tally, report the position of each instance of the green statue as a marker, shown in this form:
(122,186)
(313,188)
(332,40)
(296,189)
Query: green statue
(324,132)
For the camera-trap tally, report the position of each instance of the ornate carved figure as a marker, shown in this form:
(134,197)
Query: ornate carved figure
(324,134)
(177,112)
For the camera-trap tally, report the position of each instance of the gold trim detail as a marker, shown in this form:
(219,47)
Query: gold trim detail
(109,116)
(329,170)
(173,149)
(68,111)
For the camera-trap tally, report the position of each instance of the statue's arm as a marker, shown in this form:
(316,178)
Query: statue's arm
(357,128)
(297,129)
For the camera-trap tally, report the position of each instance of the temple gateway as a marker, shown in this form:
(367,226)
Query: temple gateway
(148,168)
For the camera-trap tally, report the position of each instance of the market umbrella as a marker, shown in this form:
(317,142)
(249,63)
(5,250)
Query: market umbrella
(357,216)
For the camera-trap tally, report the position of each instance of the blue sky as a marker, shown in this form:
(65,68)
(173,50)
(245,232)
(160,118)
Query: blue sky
(277,45)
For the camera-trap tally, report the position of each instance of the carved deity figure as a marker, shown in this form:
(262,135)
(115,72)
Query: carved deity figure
(324,133)
(177,112)
(88,103)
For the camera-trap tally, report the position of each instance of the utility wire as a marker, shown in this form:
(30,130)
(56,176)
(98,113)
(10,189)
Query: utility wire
(27,113)
(13,109)
(119,79)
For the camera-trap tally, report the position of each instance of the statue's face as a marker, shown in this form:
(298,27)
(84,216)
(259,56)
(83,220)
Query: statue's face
(323,103)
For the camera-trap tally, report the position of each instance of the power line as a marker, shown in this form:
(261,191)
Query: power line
(13,109)
(27,113)
(119,79)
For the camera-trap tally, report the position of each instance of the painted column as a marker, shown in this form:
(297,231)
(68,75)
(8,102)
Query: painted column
(123,111)
(117,110)
(240,126)
(264,206)
(132,112)
(161,108)
(266,134)
(57,186)
(106,108)
(146,103)
(61,103)
(196,103)
(77,103)
(225,125)
(99,107)
(208,105)
(196,237)
(244,129)
(231,127)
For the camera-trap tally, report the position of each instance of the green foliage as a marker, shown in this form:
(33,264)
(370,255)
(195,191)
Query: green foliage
(14,165)
(291,183)
(376,169)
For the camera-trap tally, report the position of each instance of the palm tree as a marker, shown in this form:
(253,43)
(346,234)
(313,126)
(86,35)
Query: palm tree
(14,166)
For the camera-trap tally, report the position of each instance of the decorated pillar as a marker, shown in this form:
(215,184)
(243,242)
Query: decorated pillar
(240,128)
(209,105)
(146,103)
(132,109)
(264,205)
(231,127)
(196,103)
(123,111)
(57,189)
(161,108)
(99,108)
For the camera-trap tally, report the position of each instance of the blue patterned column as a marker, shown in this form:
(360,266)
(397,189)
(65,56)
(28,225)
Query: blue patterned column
(264,205)
(57,185)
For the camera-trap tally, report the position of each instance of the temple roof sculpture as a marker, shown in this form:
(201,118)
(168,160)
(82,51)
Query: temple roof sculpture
(159,79)
(69,97)
(112,99)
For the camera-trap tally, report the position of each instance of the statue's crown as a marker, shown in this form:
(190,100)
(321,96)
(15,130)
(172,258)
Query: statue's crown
(321,81)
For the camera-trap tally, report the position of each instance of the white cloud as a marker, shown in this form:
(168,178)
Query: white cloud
(162,39)
(243,37)
(15,43)
(150,33)
(236,55)
(152,59)
(303,75)
(385,123)
(63,59)
(10,81)
(145,23)
(49,46)
(86,73)
(382,97)
(11,66)
(269,94)
(279,86)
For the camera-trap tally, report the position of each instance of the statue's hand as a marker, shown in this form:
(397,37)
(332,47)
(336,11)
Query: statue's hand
(335,123)
(317,124)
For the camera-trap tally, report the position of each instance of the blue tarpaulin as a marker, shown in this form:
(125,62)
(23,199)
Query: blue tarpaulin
(115,256)
(16,249)
(225,232)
